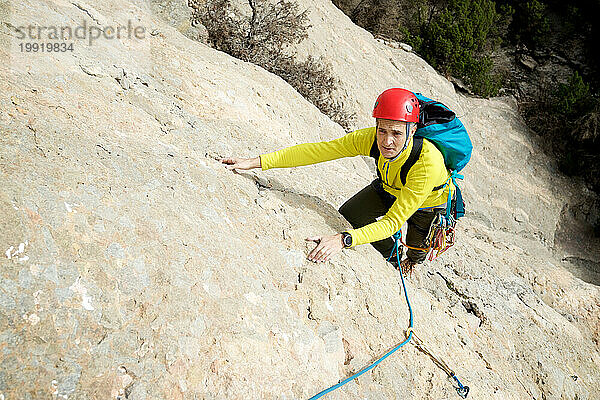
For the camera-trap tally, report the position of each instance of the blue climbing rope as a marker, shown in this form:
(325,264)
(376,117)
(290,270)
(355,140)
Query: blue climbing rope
(396,236)
(462,391)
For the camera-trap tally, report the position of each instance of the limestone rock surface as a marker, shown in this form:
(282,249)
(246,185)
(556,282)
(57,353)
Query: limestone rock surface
(136,266)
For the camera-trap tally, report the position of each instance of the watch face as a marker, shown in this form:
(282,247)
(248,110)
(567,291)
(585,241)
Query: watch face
(347,240)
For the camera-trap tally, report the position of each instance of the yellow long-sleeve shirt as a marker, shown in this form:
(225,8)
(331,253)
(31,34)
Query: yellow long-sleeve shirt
(427,173)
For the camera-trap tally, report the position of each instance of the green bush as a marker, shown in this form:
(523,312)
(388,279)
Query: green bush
(455,41)
(531,25)
(573,98)
(479,77)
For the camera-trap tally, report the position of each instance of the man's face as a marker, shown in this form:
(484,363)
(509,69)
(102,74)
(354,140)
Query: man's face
(391,136)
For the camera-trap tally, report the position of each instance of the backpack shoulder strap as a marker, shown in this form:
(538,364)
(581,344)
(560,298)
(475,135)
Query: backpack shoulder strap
(374,151)
(375,154)
(415,152)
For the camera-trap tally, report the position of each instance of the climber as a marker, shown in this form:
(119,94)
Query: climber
(423,195)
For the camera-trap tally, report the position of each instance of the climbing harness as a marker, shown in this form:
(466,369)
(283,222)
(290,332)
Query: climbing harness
(462,391)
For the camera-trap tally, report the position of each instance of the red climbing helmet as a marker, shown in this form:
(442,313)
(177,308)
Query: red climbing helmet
(397,104)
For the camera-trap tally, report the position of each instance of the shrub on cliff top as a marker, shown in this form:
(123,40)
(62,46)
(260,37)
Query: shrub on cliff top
(264,37)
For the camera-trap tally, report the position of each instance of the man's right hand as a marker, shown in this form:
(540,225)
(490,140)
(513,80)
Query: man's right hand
(241,163)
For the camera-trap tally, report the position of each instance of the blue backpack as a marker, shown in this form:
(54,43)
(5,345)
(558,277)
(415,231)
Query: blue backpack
(441,126)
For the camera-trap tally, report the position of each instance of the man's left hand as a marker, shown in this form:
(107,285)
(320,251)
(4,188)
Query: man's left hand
(327,246)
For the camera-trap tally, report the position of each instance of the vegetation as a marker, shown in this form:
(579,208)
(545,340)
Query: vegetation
(530,25)
(568,118)
(457,39)
(264,37)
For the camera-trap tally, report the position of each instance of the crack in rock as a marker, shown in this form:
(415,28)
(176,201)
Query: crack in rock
(89,14)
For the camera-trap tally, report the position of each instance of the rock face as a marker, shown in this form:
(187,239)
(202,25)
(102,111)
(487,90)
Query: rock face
(136,266)
(177,14)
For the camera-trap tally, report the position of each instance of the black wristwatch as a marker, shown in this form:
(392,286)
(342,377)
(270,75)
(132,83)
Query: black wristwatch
(346,239)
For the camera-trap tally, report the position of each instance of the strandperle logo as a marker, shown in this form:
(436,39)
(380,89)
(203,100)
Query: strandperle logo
(90,33)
